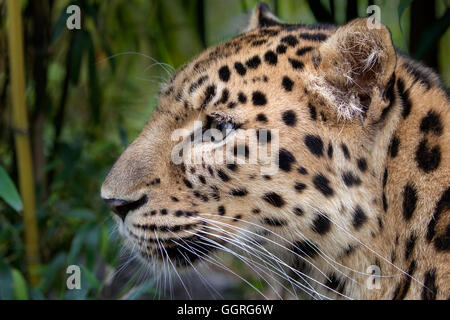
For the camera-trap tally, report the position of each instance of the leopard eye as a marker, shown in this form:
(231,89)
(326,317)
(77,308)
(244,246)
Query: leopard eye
(225,128)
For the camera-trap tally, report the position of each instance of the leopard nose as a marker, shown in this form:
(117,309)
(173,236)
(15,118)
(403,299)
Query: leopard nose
(123,207)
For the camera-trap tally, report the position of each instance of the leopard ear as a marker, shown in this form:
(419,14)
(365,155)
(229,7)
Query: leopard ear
(356,63)
(262,17)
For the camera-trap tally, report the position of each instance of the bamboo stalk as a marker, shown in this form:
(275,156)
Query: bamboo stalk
(21,136)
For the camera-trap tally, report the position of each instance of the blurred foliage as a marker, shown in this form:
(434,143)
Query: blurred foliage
(90,92)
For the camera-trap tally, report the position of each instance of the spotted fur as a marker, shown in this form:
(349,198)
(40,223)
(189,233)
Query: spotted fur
(364,158)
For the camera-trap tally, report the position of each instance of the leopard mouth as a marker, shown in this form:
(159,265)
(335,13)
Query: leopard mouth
(183,251)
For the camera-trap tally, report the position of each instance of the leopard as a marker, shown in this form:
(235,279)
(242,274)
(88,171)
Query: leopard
(351,202)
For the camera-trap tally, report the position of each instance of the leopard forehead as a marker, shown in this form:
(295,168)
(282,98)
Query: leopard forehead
(248,61)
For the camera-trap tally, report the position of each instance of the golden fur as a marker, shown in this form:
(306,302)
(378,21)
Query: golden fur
(388,171)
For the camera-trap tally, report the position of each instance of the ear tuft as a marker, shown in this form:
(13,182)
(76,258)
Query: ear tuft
(355,61)
(262,17)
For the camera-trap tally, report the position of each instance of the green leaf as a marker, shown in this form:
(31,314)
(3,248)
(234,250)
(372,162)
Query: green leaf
(90,277)
(52,271)
(80,213)
(60,24)
(403,5)
(75,248)
(94,87)
(6,282)
(19,285)
(76,50)
(8,191)
(432,35)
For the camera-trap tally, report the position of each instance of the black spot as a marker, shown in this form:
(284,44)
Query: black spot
(281,49)
(286,159)
(409,245)
(419,75)
(239,192)
(442,205)
(428,159)
(380,223)
(237,217)
(322,184)
(299,187)
(221,210)
(404,95)
(258,43)
(321,223)
(174,199)
(409,201)
(187,183)
(270,57)
(261,117)
(330,150)
(302,51)
(274,199)
(305,248)
(298,211)
(290,40)
(163,212)
(312,112)
(210,92)
(287,83)
(385,176)
(402,289)
(385,204)
(232,104)
(350,179)
(224,97)
(258,98)
(296,64)
(232,166)
(253,62)
(224,73)
(240,69)
(263,136)
(302,171)
(431,122)
(242,98)
(223,176)
(318,37)
(393,148)
(442,242)
(359,217)
(211,171)
(289,118)
(429,290)
(256,211)
(362,164)
(332,282)
(345,151)
(202,179)
(274,222)
(314,144)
